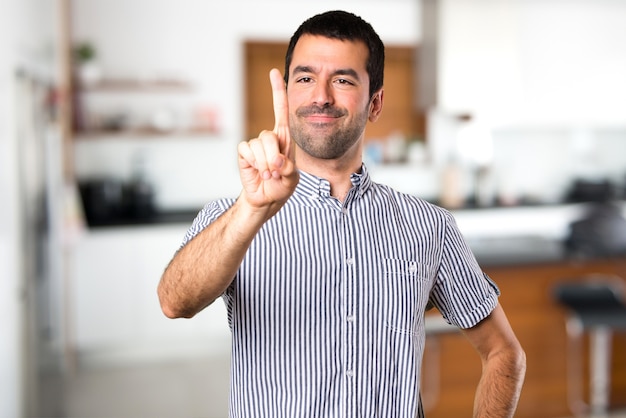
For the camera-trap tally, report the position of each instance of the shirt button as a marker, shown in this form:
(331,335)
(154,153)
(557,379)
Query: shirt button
(350,318)
(350,373)
(412,268)
(350,261)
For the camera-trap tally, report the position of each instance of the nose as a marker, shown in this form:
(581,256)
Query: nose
(322,94)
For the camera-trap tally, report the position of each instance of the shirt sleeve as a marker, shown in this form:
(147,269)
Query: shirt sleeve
(463,293)
(208,214)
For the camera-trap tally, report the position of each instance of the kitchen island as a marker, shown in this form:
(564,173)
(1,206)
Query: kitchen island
(539,323)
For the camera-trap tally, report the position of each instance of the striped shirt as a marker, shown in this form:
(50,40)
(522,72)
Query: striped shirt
(327,308)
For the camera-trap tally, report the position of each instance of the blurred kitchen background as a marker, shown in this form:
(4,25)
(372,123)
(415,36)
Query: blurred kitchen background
(119,120)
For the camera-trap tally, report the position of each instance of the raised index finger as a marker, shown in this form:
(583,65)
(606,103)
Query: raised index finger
(281,108)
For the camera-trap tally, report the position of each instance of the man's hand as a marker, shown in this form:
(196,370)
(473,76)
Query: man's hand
(267,164)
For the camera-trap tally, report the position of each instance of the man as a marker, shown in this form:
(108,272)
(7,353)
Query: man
(326,275)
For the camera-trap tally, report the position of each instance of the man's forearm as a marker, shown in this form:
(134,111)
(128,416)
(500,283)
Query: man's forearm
(201,270)
(500,386)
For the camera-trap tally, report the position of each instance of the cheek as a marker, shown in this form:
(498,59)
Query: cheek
(295,99)
(354,104)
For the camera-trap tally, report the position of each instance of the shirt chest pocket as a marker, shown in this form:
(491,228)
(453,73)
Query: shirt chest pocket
(406,286)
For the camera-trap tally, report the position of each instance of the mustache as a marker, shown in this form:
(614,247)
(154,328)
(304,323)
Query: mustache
(320,110)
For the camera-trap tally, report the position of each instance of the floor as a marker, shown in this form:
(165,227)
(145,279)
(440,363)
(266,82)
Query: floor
(192,388)
(196,388)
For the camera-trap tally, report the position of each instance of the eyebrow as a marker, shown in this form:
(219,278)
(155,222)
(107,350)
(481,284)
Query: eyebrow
(341,71)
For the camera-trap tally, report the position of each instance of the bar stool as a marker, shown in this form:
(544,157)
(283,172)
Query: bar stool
(596,305)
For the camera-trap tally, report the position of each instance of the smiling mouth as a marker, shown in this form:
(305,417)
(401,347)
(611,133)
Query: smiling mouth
(321,119)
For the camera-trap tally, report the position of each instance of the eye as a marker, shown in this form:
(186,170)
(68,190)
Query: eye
(344,82)
(304,80)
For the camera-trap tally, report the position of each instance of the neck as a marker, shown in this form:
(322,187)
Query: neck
(337,172)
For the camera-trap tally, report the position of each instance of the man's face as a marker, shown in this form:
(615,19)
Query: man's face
(328,93)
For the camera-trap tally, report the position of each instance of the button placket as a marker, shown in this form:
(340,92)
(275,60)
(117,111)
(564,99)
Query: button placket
(349,306)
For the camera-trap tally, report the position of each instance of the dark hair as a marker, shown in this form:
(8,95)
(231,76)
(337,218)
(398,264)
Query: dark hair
(342,25)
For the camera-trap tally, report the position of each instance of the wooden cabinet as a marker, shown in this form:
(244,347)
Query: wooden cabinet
(540,326)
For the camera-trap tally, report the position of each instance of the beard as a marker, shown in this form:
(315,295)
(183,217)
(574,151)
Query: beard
(326,141)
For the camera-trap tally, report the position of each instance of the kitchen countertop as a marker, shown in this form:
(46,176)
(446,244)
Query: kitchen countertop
(489,250)
(497,236)
(500,251)
(158,218)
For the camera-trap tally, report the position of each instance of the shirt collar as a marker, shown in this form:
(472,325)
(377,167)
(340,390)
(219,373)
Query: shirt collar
(318,187)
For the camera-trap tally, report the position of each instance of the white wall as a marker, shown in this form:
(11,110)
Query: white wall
(576,74)
(477,52)
(540,62)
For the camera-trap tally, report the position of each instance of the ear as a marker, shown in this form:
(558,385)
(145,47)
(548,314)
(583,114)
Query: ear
(376,106)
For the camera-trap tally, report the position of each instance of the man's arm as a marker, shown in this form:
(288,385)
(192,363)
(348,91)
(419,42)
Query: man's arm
(201,270)
(206,265)
(503,366)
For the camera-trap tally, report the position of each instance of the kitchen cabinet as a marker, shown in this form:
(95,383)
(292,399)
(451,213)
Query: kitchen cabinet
(115,313)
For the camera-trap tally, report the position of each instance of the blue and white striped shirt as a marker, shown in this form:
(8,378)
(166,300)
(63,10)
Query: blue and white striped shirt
(327,308)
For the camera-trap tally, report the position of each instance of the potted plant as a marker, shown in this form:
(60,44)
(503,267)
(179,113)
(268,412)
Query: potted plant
(88,70)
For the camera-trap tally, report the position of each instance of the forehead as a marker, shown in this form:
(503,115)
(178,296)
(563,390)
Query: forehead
(320,52)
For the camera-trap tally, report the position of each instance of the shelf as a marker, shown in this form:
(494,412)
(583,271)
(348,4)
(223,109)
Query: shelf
(128,117)
(147,133)
(138,86)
